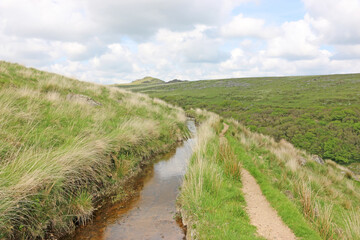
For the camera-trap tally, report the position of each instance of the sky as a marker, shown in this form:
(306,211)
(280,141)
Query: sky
(117,41)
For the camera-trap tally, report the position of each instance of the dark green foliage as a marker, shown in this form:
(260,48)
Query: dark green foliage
(320,114)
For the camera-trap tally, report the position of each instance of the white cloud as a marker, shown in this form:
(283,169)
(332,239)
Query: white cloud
(73,50)
(118,59)
(296,41)
(347,51)
(241,26)
(141,18)
(337,21)
(56,20)
(115,41)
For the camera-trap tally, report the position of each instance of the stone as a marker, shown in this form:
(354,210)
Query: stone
(82,98)
(318,159)
(302,161)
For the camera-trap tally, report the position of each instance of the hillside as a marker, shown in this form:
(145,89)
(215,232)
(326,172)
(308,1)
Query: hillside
(320,114)
(147,80)
(67,144)
(315,200)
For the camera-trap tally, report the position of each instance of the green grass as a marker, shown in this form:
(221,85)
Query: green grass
(211,199)
(315,201)
(66,144)
(289,213)
(320,114)
(325,194)
(146,81)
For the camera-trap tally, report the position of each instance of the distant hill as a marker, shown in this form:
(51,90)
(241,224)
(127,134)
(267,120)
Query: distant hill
(320,114)
(147,80)
(177,81)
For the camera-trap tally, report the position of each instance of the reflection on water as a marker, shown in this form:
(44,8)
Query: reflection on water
(151,214)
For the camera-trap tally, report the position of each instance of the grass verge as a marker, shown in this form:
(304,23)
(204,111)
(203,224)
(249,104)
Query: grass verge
(325,195)
(211,201)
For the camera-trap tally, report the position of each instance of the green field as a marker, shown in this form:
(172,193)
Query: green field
(320,114)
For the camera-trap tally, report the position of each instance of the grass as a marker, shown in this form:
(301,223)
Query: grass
(211,200)
(316,201)
(319,114)
(293,183)
(285,208)
(146,80)
(66,144)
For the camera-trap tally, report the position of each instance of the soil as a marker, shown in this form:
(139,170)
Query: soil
(268,223)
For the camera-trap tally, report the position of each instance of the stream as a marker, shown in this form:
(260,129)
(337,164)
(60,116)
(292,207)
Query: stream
(151,214)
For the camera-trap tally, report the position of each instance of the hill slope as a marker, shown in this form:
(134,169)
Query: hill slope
(320,114)
(65,144)
(147,80)
(315,200)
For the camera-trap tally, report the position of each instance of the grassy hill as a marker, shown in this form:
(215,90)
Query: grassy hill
(320,114)
(147,80)
(316,201)
(66,144)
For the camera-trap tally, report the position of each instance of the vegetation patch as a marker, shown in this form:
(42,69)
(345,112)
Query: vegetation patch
(211,200)
(294,183)
(319,114)
(65,144)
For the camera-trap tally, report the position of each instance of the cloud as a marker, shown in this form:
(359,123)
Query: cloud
(344,52)
(337,21)
(117,41)
(50,20)
(296,41)
(241,26)
(142,18)
(117,58)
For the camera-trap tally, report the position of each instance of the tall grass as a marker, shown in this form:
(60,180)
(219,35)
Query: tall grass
(59,155)
(327,194)
(211,202)
(201,170)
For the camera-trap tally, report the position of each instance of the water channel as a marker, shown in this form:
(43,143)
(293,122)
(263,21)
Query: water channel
(151,214)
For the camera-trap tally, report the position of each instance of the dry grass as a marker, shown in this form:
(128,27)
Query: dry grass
(352,225)
(232,165)
(329,184)
(55,155)
(200,165)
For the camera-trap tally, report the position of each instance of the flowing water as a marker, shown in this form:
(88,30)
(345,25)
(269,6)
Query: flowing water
(151,214)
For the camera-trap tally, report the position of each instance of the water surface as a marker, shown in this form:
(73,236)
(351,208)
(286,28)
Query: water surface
(149,215)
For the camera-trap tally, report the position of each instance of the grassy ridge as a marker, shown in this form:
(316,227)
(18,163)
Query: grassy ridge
(327,195)
(213,206)
(145,80)
(316,201)
(64,144)
(320,114)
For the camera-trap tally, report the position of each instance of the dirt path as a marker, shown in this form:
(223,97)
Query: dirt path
(262,215)
(268,223)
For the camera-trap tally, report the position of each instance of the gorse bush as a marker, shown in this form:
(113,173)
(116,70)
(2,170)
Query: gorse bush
(64,144)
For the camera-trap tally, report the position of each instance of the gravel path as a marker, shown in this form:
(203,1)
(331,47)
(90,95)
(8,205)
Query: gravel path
(268,223)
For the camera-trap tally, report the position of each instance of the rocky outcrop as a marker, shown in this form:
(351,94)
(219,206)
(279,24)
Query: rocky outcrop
(317,159)
(82,98)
